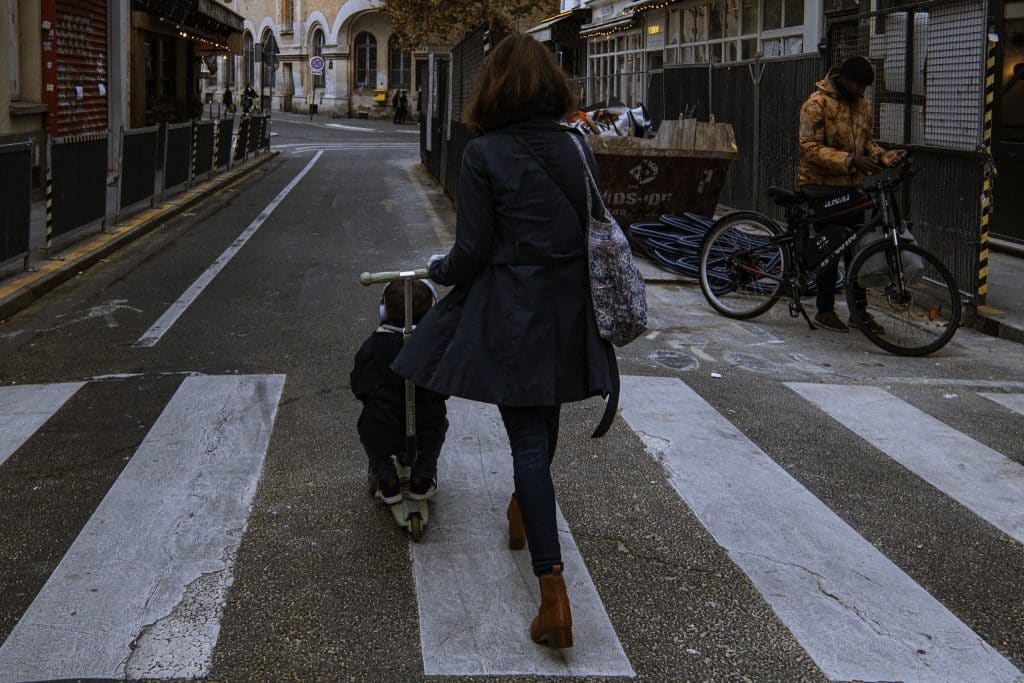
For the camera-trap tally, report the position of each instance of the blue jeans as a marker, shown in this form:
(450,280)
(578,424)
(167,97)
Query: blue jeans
(533,435)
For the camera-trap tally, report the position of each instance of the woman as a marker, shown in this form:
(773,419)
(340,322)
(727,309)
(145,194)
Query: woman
(518,328)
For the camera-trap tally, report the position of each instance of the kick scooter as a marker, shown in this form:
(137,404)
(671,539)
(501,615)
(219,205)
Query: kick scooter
(411,514)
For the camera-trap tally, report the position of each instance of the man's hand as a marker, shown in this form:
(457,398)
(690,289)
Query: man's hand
(864,165)
(892,157)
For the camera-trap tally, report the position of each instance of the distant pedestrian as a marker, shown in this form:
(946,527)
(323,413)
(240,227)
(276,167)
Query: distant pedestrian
(396,105)
(403,107)
(381,425)
(249,96)
(228,100)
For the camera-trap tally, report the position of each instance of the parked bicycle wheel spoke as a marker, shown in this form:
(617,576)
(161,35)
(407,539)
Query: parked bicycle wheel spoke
(740,267)
(912,319)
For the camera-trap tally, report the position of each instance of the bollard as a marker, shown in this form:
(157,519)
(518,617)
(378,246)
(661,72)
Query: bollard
(216,146)
(49,210)
(195,151)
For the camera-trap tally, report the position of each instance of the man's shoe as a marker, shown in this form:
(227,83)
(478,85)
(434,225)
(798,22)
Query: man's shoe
(830,321)
(389,491)
(422,487)
(871,324)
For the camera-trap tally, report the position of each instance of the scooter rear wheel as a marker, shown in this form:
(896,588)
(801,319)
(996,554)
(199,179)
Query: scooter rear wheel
(415,527)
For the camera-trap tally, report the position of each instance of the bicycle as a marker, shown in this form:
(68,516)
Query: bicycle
(747,261)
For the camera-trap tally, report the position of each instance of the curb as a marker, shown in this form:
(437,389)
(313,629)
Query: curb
(91,251)
(981,321)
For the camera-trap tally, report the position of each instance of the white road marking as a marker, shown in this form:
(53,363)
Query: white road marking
(979,478)
(25,408)
(348,145)
(854,611)
(476,597)
(1014,402)
(151,336)
(140,592)
(341,126)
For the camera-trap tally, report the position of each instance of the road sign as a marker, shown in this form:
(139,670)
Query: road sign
(316,65)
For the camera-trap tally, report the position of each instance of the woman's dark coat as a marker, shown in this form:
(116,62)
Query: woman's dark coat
(518,328)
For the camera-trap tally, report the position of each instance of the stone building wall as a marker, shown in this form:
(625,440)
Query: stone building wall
(293,87)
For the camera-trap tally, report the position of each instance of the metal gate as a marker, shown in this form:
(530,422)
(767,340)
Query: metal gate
(929,96)
(75,70)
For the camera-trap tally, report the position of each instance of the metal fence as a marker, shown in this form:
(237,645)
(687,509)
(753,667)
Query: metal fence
(929,60)
(16,179)
(935,108)
(629,88)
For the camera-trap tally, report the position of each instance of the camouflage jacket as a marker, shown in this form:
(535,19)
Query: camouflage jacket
(832,132)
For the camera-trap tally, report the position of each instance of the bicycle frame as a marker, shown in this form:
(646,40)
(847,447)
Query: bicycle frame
(886,214)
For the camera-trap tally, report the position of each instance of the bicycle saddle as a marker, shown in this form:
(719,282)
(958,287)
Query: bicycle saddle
(784,197)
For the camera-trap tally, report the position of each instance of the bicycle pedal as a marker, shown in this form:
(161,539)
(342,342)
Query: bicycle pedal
(794,310)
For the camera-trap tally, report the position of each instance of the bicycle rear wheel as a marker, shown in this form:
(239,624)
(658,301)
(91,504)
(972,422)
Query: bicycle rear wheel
(918,318)
(741,268)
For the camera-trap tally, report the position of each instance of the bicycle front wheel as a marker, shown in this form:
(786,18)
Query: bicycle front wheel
(741,266)
(912,315)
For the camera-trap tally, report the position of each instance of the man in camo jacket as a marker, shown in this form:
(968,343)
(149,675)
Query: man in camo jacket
(836,147)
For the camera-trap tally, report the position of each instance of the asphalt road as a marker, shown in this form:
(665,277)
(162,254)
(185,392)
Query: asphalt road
(324,586)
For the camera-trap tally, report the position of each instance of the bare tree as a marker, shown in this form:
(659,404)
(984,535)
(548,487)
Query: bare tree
(444,22)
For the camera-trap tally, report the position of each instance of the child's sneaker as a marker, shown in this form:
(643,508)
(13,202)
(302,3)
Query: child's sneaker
(422,487)
(389,491)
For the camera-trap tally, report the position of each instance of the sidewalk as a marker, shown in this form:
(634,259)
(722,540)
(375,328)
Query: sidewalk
(19,288)
(1003,314)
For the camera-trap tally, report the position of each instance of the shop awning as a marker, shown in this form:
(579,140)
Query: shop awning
(217,14)
(209,23)
(643,5)
(542,31)
(607,26)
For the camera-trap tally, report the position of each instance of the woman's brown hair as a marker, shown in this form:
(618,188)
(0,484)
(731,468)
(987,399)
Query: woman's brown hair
(518,80)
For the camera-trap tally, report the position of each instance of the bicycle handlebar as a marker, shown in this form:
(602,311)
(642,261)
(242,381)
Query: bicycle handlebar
(367,279)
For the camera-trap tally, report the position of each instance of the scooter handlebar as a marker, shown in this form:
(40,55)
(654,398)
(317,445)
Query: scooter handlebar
(367,279)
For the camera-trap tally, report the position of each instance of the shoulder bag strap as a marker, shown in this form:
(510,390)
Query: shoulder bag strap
(590,178)
(547,169)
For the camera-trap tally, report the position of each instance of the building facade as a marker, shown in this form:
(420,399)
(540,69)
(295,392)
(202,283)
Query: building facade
(364,65)
(175,50)
(22,112)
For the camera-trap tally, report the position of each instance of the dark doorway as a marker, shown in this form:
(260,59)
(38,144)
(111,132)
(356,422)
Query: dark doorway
(1008,128)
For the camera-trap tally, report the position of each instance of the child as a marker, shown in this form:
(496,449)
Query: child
(381,424)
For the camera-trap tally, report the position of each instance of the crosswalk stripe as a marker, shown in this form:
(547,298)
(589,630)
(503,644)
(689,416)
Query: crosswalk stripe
(140,591)
(25,408)
(856,613)
(976,476)
(1014,402)
(476,598)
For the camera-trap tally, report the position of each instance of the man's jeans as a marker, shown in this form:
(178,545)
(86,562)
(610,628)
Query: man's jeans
(827,279)
(533,435)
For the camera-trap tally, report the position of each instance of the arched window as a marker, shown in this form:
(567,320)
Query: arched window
(317,49)
(248,60)
(268,74)
(399,65)
(366,60)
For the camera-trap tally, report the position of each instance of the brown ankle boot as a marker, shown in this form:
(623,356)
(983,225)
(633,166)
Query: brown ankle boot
(516,532)
(553,623)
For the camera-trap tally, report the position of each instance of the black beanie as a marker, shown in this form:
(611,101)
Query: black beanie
(858,70)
